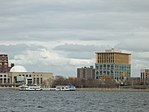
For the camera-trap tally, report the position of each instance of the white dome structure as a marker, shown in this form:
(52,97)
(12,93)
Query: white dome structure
(18,68)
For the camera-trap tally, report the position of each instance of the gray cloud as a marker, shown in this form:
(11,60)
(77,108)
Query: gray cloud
(33,20)
(135,44)
(78,51)
(13,50)
(77,48)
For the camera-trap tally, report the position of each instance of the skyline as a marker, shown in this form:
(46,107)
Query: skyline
(59,36)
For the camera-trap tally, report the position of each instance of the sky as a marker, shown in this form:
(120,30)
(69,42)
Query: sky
(60,35)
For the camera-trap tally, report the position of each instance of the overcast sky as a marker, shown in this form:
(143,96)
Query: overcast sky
(60,35)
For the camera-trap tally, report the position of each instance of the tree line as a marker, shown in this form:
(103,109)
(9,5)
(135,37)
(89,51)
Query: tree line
(86,83)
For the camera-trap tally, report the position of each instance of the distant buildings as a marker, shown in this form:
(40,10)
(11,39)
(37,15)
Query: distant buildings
(58,77)
(17,75)
(86,73)
(144,74)
(113,63)
(4,65)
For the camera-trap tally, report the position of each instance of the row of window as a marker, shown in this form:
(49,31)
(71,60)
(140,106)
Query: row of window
(110,72)
(113,67)
(3,75)
(116,77)
(5,80)
(106,61)
(143,76)
(142,73)
(28,75)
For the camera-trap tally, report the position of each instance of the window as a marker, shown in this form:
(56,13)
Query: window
(108,67)
(4,80)
(104,72)
(97,77)
(29,81)
(97,72)
(37,81)
(108,72)
(0,80)
(96,67)
(112,72)
(100,72)
(41,80)
(8,80)
(34,81)
(100,67)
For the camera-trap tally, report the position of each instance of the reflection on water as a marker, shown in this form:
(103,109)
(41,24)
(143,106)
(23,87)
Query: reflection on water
(73,101)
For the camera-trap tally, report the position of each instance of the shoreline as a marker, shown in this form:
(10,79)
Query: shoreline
(93,89)
(112,89)
(9,88)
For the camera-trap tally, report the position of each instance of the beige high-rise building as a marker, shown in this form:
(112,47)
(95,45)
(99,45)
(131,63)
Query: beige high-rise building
(113,63)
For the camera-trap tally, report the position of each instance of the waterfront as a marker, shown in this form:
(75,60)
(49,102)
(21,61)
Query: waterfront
(73,101)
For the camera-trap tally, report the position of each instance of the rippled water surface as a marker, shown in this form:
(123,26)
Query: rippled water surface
(75,101)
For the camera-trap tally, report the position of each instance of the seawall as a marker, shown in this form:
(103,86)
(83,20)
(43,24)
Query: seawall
(112,89)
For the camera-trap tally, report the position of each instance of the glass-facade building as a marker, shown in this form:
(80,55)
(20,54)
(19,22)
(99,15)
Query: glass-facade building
(111,63)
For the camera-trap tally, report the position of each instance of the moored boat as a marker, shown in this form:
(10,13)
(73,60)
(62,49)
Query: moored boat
(30,88)
(66,88)
(38,88)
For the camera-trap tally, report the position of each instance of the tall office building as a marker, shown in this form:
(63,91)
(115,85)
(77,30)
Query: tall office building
(4,65)
(113,63)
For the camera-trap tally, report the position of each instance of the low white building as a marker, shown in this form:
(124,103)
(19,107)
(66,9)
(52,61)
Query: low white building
(18,76)
(40,78)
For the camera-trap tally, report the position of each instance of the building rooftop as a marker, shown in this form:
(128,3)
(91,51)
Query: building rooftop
(115,52)
(112,50)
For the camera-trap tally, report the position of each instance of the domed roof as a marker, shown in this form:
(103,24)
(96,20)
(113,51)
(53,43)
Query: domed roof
(18,68)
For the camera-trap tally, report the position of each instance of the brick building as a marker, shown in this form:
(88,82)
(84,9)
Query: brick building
(144,74)
(4,65)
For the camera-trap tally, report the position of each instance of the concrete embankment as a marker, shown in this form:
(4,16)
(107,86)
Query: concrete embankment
(113,89)
(9,88)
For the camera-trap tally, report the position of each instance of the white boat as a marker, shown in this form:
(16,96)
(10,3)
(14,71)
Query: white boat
(66,88)
(49,89)
(38,88)
(30,88)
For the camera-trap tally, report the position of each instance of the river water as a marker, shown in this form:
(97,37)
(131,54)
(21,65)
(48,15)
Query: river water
(73,101)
